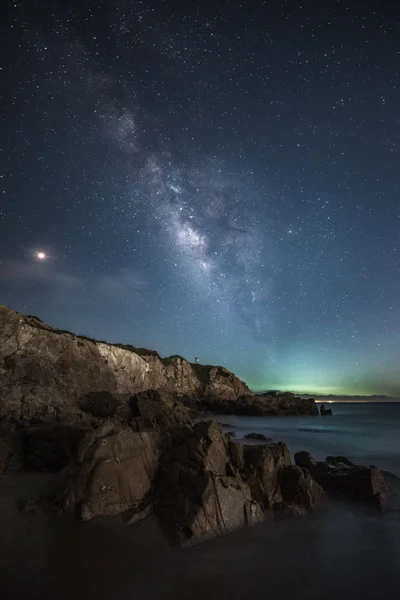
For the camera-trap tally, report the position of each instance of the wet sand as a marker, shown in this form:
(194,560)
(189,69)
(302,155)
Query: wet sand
(342,552)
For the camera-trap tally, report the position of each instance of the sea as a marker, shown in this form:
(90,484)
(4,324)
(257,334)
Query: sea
(365,432)
(343,551)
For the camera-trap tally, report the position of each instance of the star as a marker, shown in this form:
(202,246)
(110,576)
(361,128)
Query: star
(263,238)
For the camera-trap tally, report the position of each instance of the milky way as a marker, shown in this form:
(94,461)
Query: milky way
(218,180)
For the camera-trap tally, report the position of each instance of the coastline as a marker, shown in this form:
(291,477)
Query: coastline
(81,438)
(341,551)
(366,433)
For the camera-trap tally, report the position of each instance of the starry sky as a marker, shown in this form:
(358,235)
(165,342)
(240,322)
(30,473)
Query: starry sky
(216,179)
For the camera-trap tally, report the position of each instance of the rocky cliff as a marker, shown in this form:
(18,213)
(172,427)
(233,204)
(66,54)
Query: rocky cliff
(114,426)
(263,405)
(47,373)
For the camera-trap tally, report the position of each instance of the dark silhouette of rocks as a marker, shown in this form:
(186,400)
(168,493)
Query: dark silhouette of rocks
(199,495)
(257,436)
(209,485)
(325,412)
(300,491)
(198,481)
(338,475)
(263,405)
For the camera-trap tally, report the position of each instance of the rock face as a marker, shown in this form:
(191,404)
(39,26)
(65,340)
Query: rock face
(114,470)
(209,485)
(201,494)
(48,374)
(199,482)
(160,409)
(263,405)
(300,491)
(338,475)
(263,466)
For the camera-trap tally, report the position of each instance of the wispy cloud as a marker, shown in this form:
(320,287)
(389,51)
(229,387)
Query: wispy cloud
(25,270)
(118,284)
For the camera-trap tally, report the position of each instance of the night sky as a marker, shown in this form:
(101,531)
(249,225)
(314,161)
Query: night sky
(211,179)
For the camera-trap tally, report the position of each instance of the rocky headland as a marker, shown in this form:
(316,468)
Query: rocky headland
(124,431)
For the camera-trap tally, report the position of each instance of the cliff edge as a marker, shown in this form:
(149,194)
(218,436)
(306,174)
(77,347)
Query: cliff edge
(46,373)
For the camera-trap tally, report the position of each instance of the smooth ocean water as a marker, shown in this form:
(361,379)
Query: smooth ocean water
(367,433)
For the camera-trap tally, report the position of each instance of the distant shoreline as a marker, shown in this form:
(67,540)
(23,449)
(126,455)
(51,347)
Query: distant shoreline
(324,401)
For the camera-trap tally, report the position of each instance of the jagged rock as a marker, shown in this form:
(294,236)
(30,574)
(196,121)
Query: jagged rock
(46,374)
(114,470)
(199,482)
(257,436)
(159,408)
(236,455)
(262,471)
(198,499)
(325,412)
(263,405)
(209,485)
(338,475)
(299,490)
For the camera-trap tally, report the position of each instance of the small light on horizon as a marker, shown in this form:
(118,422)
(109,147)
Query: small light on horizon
(41,255)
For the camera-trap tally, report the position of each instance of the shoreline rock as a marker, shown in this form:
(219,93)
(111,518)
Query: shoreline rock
(325,412)
(337,475)
(198,481)
(262,405)
(209,485)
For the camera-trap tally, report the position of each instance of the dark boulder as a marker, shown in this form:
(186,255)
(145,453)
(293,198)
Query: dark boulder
(262,471)
(114,471)
(197,480)
(262,405)
(338,475)
(325,412)
(257,436)
(301,494)
(200,492)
